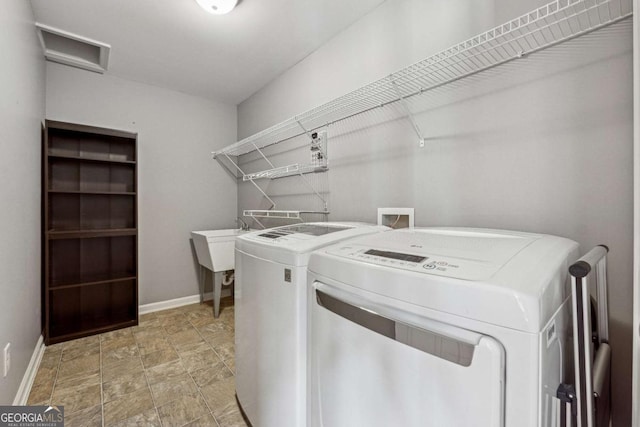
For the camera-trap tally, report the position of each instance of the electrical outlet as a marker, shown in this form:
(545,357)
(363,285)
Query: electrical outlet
(7,358)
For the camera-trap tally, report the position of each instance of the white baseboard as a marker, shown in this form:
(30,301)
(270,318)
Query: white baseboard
(30,374)
(178,302)
(165,305)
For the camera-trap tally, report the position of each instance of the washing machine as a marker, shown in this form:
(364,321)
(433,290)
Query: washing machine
(439,327)
(270,317)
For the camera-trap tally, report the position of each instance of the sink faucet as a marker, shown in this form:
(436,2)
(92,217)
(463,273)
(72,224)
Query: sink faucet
(243,225)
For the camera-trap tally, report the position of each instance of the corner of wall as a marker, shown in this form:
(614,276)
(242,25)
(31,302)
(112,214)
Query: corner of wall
(22,106)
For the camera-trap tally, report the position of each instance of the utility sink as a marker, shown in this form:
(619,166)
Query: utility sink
(215,250)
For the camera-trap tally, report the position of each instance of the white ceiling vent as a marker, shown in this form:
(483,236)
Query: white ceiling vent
(72,49)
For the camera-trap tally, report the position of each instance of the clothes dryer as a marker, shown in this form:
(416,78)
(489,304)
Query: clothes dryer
(270,317)
(439,327)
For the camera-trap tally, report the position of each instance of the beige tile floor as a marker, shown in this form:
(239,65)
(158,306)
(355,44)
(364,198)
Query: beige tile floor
(175,368)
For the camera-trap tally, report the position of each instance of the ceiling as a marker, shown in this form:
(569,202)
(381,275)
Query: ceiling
(177,45)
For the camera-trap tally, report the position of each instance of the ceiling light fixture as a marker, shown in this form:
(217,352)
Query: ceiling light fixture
(218,7)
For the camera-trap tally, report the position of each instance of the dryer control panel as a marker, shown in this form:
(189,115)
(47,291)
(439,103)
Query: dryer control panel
(448,266)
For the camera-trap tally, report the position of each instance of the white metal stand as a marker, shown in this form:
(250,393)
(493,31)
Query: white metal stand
(217,288)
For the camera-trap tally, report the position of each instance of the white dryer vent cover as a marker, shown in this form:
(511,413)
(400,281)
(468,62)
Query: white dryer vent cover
(72,49)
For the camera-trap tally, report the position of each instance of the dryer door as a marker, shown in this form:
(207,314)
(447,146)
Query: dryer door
(372,365)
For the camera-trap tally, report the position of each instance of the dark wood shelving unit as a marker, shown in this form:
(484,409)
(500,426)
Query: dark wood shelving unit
(90,230)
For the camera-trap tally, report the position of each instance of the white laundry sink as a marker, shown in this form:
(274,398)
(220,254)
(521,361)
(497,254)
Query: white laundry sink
(215,248)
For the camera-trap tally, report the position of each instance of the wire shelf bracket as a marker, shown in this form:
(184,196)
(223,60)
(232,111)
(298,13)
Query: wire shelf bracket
(273,204)
(412,120)
(319,163)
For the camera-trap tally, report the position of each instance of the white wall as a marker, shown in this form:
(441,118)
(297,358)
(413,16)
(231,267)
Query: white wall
(180,188)
(543,144)
(22,79)
(635,396)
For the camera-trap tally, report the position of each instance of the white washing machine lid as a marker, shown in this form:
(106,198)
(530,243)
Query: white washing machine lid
(292,244)
(512,279)
(300,231)
(468,254)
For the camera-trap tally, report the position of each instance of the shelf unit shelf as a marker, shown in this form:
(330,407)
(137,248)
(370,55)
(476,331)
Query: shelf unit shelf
(106,193)
(92,283)
(85,234)
(89,231)
(89,159)
(546,26)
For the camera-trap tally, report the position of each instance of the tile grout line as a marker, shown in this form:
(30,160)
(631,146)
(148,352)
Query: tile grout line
(173,347)
(189,374)
(194,381)
(116,396)
(145,378)
(187,370)
(55,380)
(101,383)
(144,371)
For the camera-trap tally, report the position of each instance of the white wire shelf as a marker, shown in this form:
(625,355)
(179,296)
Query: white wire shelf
(549,25)
(283,171)
(280,214)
